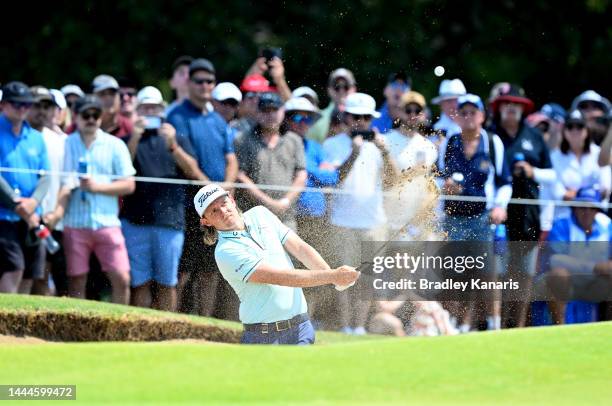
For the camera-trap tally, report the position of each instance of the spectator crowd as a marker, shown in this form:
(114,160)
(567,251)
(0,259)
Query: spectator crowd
(68,159)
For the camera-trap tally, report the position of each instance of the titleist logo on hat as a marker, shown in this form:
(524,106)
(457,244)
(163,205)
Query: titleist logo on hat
(206,195)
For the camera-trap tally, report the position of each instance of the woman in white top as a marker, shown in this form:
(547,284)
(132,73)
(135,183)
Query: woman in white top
(575,163)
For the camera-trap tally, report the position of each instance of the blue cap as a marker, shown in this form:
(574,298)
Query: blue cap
(588,194)
(472,99)
(554,112)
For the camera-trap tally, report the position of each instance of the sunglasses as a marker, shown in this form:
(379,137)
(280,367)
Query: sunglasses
(199,81)
(589,105)
(415,110)
(302,118)
(338,88)
(268,109)
(398,86)
(365,117)
(87,116)
(42,106)
(230,103)
(574,126)
(250,95)
(21,105)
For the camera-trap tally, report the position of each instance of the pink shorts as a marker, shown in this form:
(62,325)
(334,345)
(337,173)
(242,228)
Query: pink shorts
(107,243)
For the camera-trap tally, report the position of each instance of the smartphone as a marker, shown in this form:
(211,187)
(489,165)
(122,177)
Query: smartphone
(367,135)
(153,122)
(270,53)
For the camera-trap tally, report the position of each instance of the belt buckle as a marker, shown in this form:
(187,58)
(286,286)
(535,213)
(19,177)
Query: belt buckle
(264,328)
(283,329)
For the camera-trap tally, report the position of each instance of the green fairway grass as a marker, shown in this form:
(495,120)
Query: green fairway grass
(568,365)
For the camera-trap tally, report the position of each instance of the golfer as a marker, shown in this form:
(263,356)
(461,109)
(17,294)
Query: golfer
(252,256)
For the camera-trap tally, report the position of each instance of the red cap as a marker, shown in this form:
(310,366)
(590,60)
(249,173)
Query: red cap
(255,83)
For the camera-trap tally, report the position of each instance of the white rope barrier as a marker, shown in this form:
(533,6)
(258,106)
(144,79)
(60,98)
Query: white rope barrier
(326,190)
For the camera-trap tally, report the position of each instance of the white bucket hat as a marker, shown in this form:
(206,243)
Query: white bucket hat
(449,89)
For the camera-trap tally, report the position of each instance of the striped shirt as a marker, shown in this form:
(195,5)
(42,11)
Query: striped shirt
(107,157)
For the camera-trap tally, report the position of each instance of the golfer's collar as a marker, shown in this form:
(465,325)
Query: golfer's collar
(235,233)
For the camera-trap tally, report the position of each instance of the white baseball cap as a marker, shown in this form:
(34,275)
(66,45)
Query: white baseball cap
(58,98)
(206,196)
(449,89)
(104,82)
(301,104)
(150,95)
(72,89)
(225,91)
(306,91)
(361,104)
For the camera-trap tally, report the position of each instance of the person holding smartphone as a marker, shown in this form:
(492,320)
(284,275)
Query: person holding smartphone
(364,168)
(269,63)
(153,217)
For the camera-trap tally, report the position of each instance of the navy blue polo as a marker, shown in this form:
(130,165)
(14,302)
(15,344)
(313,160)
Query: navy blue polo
(478,171)
(209,134)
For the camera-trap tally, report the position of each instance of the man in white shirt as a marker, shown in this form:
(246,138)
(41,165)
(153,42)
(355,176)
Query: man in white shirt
(357,213)
(41,117)
(415,156)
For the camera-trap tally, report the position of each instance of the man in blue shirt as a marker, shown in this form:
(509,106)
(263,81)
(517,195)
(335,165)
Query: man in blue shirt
(474,166)
(397,84)
(211,138)
(579,248)
(21,147)
(153,217)
(252,255)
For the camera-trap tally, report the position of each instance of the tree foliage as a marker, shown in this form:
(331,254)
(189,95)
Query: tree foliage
(554,49)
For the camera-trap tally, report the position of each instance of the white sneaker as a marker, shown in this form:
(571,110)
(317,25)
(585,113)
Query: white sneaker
(360,331)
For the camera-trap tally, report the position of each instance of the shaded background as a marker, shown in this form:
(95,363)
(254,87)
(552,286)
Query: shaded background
(554,50)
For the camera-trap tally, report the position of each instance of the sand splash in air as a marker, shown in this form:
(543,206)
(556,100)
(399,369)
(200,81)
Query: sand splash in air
(411,206)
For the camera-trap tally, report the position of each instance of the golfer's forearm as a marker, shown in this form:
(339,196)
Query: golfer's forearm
(296,278)
(305,253)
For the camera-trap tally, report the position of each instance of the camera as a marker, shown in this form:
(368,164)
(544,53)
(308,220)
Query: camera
(367,135)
